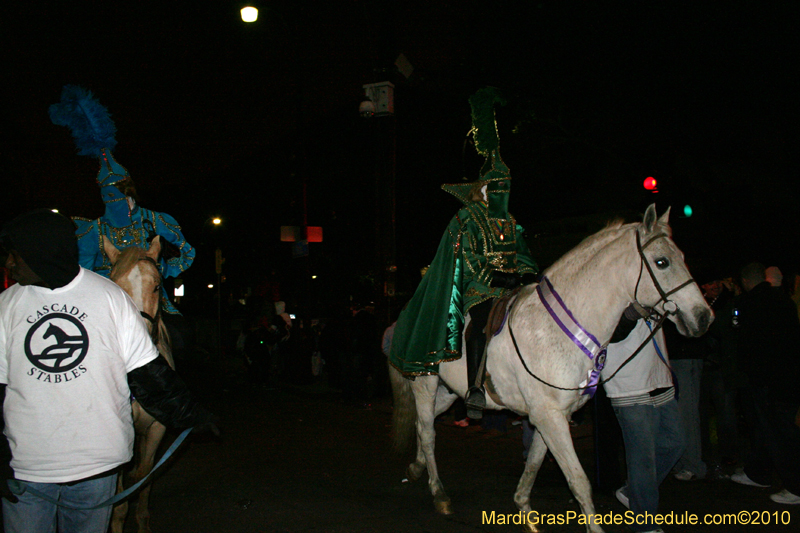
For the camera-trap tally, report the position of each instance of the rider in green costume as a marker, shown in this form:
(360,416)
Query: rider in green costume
(481,256)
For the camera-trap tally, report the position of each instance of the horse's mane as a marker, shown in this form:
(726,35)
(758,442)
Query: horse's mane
(126,261)
(128,258)
(614,223)
(590,245)
(609,231)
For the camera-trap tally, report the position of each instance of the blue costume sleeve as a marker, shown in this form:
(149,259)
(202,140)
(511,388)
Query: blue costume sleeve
(90,246)
(168,228)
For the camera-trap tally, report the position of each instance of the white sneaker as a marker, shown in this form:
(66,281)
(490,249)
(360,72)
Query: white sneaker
(785,497)
(685,475)
(741,478)
(622,497)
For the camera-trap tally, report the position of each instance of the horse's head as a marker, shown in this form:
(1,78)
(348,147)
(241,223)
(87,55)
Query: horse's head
(664,280)
(136,271)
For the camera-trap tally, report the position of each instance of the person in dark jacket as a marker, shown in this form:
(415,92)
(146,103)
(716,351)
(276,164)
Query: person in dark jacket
(768,353)
(722,378)
(73,351)
(687,356)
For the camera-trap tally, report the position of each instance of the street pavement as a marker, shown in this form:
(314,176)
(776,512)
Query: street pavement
(302,459)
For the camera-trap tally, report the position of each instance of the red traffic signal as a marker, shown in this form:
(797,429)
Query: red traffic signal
(650,184)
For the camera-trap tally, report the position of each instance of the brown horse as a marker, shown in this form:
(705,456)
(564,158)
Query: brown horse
(134,269)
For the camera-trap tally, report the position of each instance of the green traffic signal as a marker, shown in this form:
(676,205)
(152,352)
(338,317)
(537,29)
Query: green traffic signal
(687,211)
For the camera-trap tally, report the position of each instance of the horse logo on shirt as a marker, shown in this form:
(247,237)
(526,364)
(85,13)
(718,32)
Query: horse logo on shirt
(57,343)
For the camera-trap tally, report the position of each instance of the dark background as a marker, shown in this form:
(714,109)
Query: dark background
(216,117)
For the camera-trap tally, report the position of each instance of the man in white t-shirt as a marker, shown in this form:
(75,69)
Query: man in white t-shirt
(643,398)
(73,349)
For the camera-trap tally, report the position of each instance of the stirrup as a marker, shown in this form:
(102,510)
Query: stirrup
(475,401)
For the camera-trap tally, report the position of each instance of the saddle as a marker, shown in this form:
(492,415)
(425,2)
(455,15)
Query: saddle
(499,313)
(497,319)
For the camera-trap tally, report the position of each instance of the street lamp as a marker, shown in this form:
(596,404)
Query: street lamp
(249,14)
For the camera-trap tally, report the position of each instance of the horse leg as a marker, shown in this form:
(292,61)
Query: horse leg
(120,510)
(425,391)
(444,399)
(417,468)
(555,431)
(148,445)
(522,497)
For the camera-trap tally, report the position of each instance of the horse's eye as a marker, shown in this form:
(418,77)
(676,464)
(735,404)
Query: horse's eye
(157,288)
(662,263)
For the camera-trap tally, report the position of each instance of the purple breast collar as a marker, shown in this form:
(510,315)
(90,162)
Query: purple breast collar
(584,340)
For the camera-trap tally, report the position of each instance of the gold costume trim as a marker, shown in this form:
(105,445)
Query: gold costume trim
(423,372)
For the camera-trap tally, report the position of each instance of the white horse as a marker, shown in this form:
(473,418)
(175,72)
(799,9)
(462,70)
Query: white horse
(597,280)
(134,269)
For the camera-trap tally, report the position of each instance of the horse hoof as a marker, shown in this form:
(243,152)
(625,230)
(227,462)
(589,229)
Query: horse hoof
(530,528)
(411,476)
(443,507)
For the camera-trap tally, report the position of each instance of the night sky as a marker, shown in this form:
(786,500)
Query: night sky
(216,117)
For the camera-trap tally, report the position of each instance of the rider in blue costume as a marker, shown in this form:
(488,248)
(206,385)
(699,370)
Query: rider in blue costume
(124,222)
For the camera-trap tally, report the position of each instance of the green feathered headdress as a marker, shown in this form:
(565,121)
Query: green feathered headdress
(494,173)
(484,126)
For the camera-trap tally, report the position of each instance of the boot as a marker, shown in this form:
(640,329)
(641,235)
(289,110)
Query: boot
(476,402)
(475,398)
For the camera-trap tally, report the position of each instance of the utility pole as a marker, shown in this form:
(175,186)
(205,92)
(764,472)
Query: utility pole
(378,107)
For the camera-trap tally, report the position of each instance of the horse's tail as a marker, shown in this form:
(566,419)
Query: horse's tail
(404,414)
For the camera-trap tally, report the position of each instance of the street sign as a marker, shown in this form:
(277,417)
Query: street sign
(295,234)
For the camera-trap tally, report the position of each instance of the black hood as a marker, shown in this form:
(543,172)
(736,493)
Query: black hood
(47,243)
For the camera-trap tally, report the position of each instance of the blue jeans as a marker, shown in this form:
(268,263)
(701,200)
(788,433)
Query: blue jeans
(654,442)
(688,373)
(35,515)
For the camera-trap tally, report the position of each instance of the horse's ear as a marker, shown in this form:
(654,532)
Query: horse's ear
(111,251)
(664,219)
(650,219)
(155,248)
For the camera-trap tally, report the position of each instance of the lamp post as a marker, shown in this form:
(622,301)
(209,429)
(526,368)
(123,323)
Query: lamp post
(378,107)
(218,261)
(216,222)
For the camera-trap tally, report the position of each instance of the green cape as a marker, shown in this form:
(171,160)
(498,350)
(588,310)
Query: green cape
(428,331)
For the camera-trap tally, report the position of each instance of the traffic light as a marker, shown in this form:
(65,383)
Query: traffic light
(650,184)
(687,210)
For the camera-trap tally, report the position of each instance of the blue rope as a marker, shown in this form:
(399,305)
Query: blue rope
(18,487)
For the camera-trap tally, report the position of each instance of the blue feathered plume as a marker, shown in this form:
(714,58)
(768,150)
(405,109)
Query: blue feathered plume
(89,122)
